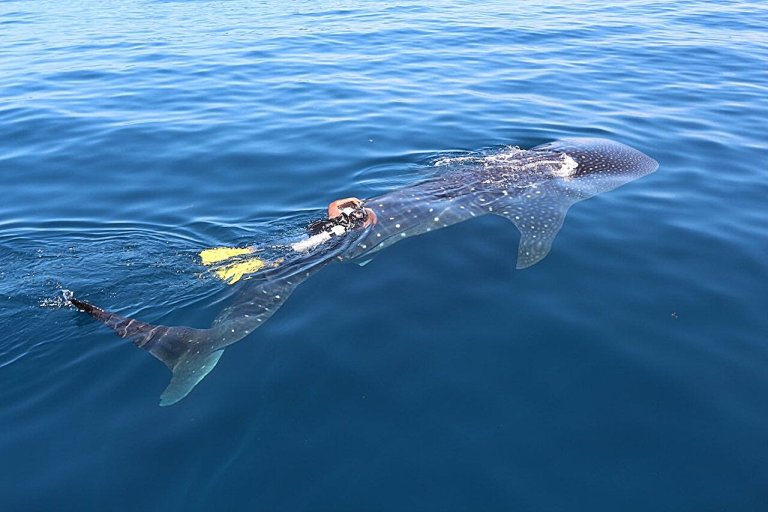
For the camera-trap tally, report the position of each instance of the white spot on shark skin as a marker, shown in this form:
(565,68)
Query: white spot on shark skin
(437,219)
(397,226)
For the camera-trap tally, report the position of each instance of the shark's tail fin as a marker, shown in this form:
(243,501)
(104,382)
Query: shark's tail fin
(182,349)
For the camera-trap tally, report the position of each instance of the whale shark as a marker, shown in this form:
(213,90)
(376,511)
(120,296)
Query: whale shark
(532,188)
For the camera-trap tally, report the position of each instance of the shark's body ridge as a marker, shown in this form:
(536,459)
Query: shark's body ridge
(531,188)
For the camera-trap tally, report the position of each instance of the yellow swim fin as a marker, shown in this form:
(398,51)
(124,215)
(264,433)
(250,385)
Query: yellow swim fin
(234,272)
(230,264)
(218,254)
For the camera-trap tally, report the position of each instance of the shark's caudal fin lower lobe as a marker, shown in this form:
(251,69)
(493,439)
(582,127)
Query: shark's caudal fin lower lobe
(182,349)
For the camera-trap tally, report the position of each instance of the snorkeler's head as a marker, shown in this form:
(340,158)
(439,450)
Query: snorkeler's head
(352,207)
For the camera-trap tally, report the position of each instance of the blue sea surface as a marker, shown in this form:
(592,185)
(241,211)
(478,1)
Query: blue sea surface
(628,371)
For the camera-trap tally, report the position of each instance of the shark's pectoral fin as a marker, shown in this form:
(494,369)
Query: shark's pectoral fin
(539,217)
(188,371)
(536,238)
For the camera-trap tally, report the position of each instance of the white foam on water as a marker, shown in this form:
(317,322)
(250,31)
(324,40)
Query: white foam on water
(59,301)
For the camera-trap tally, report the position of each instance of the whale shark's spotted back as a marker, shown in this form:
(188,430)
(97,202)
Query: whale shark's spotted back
(532,188)
(604,157)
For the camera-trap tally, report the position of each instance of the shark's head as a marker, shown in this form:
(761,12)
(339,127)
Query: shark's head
(593,166)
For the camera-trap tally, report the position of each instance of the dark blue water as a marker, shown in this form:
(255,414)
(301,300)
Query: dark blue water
(627,371)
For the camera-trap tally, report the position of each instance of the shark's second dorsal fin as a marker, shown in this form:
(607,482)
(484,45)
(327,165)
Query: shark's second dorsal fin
(538,215)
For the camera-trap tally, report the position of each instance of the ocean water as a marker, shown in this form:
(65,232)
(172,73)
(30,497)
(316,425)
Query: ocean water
(627,371)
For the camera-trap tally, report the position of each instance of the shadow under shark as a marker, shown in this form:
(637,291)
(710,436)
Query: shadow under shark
(532,188)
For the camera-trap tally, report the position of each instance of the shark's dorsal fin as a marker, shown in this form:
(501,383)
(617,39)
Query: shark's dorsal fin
(538,214)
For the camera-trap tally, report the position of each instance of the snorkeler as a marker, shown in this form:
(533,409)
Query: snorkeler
(344,215)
